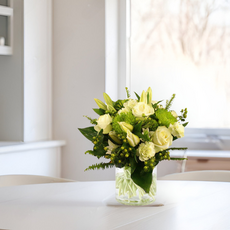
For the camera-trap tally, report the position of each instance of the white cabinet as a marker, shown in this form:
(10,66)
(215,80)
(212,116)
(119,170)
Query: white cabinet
(35,158)
(26,93)
(6,27)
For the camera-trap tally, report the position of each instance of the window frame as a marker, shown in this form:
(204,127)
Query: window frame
(118,72)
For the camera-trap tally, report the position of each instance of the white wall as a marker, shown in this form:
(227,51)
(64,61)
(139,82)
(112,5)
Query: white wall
(78,78)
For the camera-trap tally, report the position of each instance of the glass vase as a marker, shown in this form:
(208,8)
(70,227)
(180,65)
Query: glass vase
(129,193)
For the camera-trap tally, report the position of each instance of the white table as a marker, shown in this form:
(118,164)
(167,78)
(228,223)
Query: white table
(89,205)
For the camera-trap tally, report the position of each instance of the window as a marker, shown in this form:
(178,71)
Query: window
(181,47)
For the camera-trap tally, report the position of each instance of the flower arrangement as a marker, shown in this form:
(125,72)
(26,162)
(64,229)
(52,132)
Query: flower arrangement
(135,133)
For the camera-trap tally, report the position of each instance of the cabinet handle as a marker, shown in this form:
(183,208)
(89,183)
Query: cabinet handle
(202,160)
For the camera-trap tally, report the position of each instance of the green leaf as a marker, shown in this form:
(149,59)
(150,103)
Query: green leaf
(138,97)
(133,163)
(137,128)
(155,105)
(138,131)
(165,117)
(99,111)
(141,178)
(144,136)
(185,124)
(119,104)
(89,132)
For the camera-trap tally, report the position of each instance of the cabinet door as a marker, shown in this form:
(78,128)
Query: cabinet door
(207,164)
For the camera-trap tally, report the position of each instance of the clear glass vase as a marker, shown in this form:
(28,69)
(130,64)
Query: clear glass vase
(129,193)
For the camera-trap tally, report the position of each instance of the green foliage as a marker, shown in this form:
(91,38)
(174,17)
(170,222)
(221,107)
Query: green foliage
(150,123)
(169,103)
(100,166)
(133,163)
(92,121)
(183,115)
(119,104)
(95,153)
(89,133)
(99,111)
(144,136)
(142,178)
(137,127)
(127,92)
(156,104)
(138,97)
(126,117)
(100,142)
(185,124)
(138,131)
(176,149)
(165,118)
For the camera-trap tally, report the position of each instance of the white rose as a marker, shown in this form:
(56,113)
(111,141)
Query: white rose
(142,108)
(124,110)
(174,113)
(162,138)
(130,104)
(103,122)
(177,129)
(146,151)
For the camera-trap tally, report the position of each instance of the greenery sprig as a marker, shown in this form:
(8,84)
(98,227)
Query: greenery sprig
(99,166)
(169,103)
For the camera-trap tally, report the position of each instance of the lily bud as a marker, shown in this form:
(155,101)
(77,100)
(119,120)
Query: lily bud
(149,92)
(143,97)
(111,147)
(114,137)
(108,99)
(125,126)
(111,108)
(132,139)
(100,104)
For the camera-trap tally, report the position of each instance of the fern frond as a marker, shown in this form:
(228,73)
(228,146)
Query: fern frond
(169,103)
(178,159)
(100,166)
(176,149)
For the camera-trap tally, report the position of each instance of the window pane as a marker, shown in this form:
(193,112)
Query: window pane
(183,47)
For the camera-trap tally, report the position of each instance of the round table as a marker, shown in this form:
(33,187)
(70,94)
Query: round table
(186,205)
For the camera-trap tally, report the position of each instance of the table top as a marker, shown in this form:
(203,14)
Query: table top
(194,205)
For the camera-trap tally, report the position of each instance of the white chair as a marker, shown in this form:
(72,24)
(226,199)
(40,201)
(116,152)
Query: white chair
(205,175)
(13,180)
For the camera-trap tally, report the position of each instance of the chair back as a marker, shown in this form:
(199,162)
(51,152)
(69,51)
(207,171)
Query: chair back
(13,180)
(205,175)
